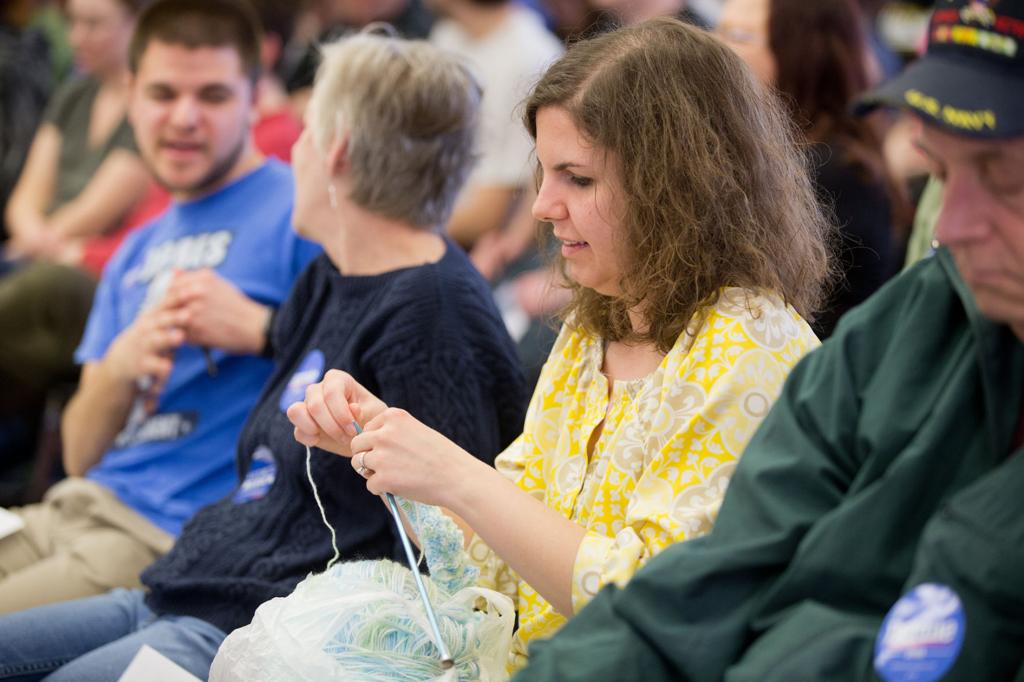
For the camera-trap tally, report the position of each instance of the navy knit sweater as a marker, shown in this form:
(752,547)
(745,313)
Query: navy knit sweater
(427,339)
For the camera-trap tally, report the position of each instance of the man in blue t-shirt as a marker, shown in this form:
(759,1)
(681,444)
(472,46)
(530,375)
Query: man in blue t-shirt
(174,352)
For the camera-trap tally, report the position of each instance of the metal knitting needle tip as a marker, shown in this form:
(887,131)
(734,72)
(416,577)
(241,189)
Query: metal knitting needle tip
(447,661)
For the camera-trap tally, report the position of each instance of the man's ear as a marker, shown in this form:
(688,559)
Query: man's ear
(337,154)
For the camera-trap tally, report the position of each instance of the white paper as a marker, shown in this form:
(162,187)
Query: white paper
(9,523)
(149,665)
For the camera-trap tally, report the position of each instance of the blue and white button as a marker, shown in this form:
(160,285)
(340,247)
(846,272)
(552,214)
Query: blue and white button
(921,636)
(259,480)
(310,371)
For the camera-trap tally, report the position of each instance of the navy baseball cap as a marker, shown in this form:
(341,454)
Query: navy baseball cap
(971,79)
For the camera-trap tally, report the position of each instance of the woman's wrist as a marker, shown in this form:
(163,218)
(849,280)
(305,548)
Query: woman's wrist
(470,479)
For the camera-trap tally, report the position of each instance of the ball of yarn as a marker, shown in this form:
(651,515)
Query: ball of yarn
(365,621)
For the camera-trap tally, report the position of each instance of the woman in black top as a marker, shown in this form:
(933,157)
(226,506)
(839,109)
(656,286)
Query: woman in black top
(815,55)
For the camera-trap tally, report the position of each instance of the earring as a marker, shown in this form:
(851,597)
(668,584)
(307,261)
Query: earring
(332,196)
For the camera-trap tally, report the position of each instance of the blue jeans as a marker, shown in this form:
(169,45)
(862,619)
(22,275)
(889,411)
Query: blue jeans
(96,638)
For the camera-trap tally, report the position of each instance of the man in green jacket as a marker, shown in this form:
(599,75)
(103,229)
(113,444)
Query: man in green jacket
(875,525)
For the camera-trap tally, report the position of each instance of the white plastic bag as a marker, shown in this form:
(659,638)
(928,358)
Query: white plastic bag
(364,621)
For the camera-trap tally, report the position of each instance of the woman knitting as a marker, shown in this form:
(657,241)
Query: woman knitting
(695,250)
(820,79)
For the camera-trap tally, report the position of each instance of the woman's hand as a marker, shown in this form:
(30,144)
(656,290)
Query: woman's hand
(324,419)
(401,455)
(398,454)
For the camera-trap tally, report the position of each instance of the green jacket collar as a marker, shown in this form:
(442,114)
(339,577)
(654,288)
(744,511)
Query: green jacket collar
(1001,360)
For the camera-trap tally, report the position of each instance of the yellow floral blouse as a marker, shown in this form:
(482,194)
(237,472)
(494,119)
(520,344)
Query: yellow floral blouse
(661,464)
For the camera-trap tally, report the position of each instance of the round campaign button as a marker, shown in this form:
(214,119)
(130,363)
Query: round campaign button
(309,372)
(921,636)
(259,479)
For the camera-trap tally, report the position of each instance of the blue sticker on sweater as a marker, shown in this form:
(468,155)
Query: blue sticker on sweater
(309,372)
(262,472)
(921,636)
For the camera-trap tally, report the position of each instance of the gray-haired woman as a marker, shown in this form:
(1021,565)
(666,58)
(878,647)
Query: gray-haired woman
(388,143)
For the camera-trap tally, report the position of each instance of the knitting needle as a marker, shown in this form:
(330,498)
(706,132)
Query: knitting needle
(446,657)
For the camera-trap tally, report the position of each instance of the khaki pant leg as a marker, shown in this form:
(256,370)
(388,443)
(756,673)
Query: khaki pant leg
(99,561)
(33,543)
(78,543)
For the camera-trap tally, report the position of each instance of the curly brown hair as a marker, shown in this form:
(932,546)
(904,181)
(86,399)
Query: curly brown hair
(716,189)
